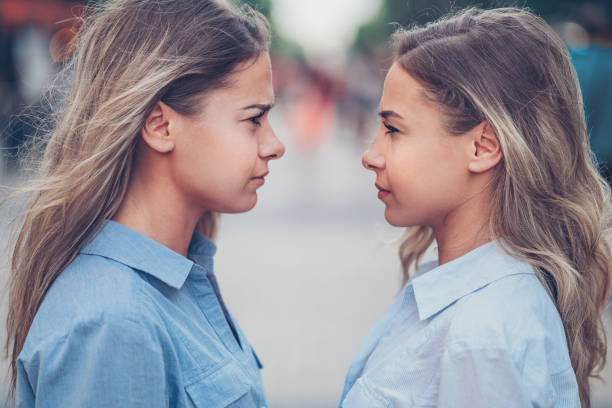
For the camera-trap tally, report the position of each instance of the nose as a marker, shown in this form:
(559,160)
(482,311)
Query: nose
(271,148)
(372,159)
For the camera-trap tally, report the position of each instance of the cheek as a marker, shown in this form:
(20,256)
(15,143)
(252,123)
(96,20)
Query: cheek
(434,164)
(426,180)
(410,165)
(215,182)
(222,165)
(195,171)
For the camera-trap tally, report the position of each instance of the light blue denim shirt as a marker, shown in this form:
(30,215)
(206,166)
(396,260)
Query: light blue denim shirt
(479,331)
(130,323)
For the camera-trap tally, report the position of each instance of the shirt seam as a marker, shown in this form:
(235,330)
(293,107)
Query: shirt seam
(563,372)
(373,391)
(53,339)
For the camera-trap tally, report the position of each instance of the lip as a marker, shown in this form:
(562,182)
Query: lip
(260,180)
(382,192)
(262,176)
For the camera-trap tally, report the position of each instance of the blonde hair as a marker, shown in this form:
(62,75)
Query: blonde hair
(549,205)
(129,54)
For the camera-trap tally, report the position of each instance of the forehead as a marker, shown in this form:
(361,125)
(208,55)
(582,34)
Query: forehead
(250,81)
(402,93)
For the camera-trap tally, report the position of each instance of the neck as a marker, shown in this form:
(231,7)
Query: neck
(465,228)
(154,208)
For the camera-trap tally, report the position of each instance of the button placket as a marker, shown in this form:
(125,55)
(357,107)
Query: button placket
(208,302)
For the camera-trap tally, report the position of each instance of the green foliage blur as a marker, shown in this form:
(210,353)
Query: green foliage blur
(411,12)
(280,44)
(263,6)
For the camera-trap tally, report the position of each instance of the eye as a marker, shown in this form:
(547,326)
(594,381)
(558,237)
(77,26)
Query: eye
(390,129)
(256,119)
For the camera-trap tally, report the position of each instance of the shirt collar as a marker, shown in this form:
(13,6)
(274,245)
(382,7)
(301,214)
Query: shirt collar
(131,248)
(439,287)
(202,250)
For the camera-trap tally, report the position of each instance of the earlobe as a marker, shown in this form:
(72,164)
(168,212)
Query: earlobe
(486,149)
(156,130)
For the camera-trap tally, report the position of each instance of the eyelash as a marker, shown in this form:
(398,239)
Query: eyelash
(390,129)
(255,119)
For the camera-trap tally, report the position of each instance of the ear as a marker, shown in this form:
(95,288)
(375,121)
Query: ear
(486,152)
(156,130)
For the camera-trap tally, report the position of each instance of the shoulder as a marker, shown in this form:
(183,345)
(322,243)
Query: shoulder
(92,285)
(515,314)
(510,334)
(93,292)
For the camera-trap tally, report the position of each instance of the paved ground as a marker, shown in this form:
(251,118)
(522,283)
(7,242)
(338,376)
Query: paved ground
(308,272)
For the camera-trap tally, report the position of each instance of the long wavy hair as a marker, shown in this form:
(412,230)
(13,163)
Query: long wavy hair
(129,54)
(549,205)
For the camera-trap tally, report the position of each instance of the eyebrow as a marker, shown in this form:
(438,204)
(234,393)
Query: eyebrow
(389,113)
(262,107)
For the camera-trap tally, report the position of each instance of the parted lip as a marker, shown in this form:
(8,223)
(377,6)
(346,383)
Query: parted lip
(380,188)
(263,175)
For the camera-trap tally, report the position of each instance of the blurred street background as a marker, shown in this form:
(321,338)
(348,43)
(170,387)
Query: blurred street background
(311,268)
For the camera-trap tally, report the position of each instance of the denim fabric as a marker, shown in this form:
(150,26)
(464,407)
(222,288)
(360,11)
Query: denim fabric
(479,331)
(130,323)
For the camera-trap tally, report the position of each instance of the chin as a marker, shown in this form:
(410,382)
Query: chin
(394,222)
(399,220)
(240,207)
(391,219)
